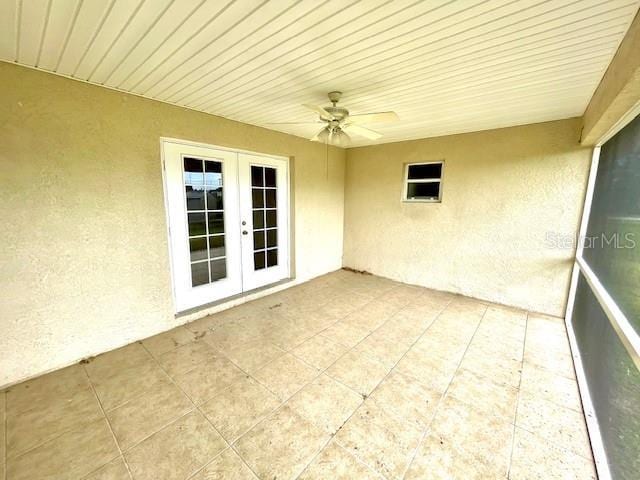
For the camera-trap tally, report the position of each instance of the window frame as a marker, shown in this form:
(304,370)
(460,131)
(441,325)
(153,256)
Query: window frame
(406,180)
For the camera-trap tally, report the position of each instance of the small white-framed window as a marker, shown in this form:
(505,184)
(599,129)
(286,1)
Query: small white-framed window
(423,182)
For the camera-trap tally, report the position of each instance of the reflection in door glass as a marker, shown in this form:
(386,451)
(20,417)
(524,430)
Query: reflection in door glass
(265,227)
(205,219)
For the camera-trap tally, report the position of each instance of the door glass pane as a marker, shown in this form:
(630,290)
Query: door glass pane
(613,381)
(195,197)
(271,218)
(612,245)
(198,248)
(258,260)
(193,169)
(257,197)
(257,174)
(216,246)
(258,219)
(218,269)
(272,257)
(214,197)
(272,238)
(263,197)
(199,273)
(215,222)
(258,239)
(204,192)
(197,225)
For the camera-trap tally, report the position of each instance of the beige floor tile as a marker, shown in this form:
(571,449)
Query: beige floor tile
(120,385)
(226,466)
(371,315)
(209,378)
(502,370)
(425,370)
(286,375)
(380,348)
(238,408)
(441,459)
(398,330)
(345,333)
(319,351)
(385,442)
(186,357)
(282,445)
(176,451)
(115,470)
(253,355)
(534,458)
(484,394)
(68,411)
(335,463)
(342,305)
(231,335)
(40,391)
(70,456)
(358,371)
(555,388)
(401,295)
(203,325)
(554,362)
(497,348)
(446,355)
(105,365)
(407,397)
(326,403)
(485,437)
(166,341)
(146,414)
(562,426)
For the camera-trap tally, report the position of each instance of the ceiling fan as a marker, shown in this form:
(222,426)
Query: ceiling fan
(339,123)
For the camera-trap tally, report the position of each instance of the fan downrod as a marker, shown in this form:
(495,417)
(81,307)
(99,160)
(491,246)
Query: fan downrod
(334,97)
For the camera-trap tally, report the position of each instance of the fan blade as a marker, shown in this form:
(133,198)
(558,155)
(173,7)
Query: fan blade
(374,117)
(319,110)
(363,132)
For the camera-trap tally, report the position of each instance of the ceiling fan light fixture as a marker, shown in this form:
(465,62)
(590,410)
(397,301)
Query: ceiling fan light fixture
(340,138)
(323,136)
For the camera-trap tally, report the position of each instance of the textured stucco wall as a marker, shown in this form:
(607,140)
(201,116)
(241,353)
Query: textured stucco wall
(84,260)
(503,191)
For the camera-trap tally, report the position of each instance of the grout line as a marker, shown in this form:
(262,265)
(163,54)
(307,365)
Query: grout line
(126,464)
(515,417)
(444,394)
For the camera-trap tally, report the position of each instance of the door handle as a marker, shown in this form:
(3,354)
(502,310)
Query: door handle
(244,232)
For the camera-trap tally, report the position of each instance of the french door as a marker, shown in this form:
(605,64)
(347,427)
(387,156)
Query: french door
(228,221)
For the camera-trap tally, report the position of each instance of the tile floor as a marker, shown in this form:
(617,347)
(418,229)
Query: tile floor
(347,376)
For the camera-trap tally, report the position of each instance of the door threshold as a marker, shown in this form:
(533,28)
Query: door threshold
(235,300)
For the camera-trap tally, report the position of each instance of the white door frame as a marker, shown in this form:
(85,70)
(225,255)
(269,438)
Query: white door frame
(170,187)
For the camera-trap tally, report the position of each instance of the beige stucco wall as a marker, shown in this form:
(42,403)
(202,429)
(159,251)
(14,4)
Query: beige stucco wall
(84,260)
(503,191)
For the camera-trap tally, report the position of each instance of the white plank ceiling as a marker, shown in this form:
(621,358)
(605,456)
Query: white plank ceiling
(444,66)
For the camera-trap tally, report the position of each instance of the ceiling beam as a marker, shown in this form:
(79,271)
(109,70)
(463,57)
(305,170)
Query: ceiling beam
(618,95)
